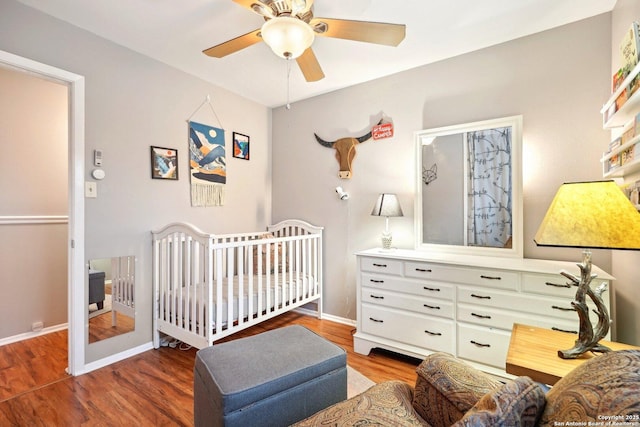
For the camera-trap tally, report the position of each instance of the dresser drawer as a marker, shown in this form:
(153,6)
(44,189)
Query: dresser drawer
(472,276)
(410,328)
(555,285)
(429,306)
(483,345)
(381,265)
(533,304)
(504,319)
(426,289)
(548,284)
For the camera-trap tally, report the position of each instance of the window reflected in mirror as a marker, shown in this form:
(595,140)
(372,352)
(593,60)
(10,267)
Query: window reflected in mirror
(111,297)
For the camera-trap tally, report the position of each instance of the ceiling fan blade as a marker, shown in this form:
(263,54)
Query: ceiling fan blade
(234,45)
(362,31)
(310,66)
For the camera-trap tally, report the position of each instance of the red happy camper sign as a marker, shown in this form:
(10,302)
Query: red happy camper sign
(384,130)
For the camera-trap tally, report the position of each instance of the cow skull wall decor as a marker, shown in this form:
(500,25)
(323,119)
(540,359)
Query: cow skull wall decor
(345,151)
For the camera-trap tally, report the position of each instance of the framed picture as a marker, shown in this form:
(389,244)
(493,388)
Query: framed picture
(240,146)
(164,163)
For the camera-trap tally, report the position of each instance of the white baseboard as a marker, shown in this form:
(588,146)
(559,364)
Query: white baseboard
(326,316)
(28,335)
(337,319)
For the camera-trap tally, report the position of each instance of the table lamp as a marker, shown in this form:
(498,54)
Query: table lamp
(589,215)
(387,205)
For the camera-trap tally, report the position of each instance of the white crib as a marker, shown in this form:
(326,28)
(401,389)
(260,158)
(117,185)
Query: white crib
(122,287)
(208,286)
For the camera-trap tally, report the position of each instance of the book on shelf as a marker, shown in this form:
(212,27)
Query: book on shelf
(629,47)
(615,144)
(618,78)
(627,155)
(629,132)
(614,162)
(622,98)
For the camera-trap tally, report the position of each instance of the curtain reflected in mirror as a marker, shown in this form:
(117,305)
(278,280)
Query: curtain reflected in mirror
(111,297)
(489,188)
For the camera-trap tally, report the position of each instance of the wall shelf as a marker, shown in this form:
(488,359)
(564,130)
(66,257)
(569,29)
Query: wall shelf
(618,119)
(628,110)
(627,168)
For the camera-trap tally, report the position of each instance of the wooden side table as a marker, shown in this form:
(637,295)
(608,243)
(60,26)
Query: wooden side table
(533,352)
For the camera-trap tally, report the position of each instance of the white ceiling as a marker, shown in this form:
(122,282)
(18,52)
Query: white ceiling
(176,31)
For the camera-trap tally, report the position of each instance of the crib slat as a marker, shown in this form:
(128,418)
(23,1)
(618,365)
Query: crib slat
(218,289)
(240,276)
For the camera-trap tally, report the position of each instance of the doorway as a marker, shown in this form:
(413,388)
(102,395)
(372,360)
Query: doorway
(76,312)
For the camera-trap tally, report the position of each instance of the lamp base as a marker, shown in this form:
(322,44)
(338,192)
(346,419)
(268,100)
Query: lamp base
(386,240)
(578,351)
(588,336)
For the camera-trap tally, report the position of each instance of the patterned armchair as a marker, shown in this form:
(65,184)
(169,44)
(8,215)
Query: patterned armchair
(449,392)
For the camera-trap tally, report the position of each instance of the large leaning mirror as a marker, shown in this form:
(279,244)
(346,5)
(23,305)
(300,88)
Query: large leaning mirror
(469,188)
(111,293)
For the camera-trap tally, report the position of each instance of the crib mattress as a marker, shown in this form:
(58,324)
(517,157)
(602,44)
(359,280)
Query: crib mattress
(191,298)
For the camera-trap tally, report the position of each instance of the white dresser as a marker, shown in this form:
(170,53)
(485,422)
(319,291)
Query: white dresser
(416,303)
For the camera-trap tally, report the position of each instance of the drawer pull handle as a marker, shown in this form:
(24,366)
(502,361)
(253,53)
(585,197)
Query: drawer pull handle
(423,270)
(558,285)
(435,334)
(376,296)
(555,307)
(482,276)
(426,288)
(380,265)
(481,296)
(479,344)
(481,316)
(434,307)
(564,330)
(376,320)
(376,281)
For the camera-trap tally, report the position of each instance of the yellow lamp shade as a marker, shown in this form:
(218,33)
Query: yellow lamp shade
(594,215)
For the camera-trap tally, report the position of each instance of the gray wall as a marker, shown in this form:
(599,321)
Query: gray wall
(133,102)
(557,80)
(625,263)
(33,183)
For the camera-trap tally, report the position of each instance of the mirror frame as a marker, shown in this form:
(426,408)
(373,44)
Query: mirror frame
(516,250)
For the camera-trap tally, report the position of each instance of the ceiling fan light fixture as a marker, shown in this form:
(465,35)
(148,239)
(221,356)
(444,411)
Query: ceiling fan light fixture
(287,37)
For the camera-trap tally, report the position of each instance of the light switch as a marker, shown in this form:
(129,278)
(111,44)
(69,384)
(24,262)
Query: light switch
(90,189)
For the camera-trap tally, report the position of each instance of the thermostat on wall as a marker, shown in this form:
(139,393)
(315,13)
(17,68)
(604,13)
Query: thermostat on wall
(97,157)
(98,174)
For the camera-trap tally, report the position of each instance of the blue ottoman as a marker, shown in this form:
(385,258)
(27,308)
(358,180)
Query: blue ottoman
(275,378)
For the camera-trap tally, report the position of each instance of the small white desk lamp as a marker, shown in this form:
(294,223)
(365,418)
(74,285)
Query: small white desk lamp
(387,205)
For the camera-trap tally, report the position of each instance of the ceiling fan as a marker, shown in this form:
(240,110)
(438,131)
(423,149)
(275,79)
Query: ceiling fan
(290,29)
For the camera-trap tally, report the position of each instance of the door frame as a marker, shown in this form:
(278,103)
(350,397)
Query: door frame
(76,289)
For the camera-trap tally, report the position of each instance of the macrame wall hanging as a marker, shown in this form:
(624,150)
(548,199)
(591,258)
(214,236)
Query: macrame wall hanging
(208,168)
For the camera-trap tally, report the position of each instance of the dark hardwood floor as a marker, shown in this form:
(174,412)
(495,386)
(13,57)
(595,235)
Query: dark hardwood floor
(154,388)
(100,327)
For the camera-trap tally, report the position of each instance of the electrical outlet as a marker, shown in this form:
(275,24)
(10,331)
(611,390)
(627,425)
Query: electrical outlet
(90,190)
